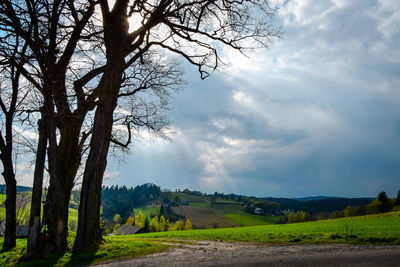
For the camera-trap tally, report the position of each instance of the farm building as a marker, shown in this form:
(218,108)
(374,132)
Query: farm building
(128,230)
(258,211)
(22,231)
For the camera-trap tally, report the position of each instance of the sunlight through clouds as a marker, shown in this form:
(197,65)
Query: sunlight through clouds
(318,109)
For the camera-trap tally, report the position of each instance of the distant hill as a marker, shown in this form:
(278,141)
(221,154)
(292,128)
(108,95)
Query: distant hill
(313,198)
(320,204)
(313,204)
(19,188)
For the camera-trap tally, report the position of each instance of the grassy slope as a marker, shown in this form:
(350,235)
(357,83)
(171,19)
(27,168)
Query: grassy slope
(245,219)
(371,229)
(73,215)
(229,209)
(117,248)
(381,228)
(148,211)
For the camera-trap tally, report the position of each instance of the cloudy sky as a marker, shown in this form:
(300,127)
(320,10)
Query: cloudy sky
(316,114)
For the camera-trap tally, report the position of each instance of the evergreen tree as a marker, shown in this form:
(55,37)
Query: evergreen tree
(162,210)
(146,224)
(398,199)
(382,197)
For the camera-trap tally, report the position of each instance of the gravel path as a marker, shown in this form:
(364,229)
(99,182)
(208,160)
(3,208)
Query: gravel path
(238,254)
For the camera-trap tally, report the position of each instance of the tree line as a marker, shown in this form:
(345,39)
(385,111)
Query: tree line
(122,200)
(380,205)
(87,77)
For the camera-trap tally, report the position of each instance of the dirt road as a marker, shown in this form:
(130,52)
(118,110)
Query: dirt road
(233,254)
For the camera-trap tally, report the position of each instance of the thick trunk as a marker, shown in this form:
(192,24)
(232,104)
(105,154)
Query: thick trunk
(34,244)
(11,184)
(89,233)
(67,163)
(116,42)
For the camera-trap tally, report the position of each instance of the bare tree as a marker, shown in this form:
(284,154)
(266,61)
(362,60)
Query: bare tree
(194,30)
(52,32)
(67,47)
(12,56)
(86,65)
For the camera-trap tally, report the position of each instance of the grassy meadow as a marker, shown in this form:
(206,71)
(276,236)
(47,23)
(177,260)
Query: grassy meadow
(148,211)
(245,219)
(222,213)
(371,229)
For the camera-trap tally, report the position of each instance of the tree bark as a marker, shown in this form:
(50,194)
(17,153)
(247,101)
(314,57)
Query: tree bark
(33,243)
(116,40)
(11,186)
(67,160)
(89,232)
(11,222)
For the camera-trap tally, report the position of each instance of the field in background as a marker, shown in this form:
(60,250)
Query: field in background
(223,213)
(370,229)
(204,217)
(148,211)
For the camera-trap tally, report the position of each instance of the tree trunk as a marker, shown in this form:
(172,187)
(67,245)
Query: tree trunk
(116,41)
(67,162)
(11,190)
(89,232)
(33,244)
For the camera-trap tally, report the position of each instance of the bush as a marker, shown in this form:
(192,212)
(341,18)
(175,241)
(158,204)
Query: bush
(188,225)
(153,225)
(130,221)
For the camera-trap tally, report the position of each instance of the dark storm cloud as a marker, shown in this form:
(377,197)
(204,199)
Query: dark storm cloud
(318,113)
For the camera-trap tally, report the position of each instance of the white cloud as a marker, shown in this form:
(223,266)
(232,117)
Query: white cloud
(317,108)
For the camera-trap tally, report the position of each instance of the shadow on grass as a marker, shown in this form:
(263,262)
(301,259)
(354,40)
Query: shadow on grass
(68,258)
(83,257)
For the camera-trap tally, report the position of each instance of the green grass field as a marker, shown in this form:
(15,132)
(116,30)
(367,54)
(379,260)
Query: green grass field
(72,214)
(245,219)
(226,209)
(371,229)
(148,211)
(117,248)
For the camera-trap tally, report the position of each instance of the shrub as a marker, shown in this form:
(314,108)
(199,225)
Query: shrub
(188,225)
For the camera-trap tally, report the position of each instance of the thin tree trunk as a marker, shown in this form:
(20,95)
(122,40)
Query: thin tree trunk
(33,243)
(11,188)
(11,222)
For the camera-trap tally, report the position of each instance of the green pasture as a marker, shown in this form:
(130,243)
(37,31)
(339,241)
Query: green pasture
(245,219)
(118,248)
(370,229)
(148,211)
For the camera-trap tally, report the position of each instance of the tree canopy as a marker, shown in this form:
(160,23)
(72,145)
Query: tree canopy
(99,73)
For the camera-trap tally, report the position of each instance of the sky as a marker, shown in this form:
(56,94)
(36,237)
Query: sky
(317,113)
